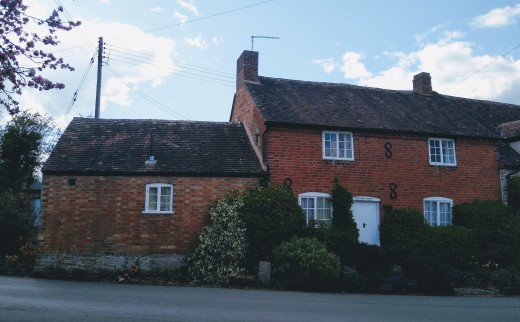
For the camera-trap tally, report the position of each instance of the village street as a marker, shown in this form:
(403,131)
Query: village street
(25,299)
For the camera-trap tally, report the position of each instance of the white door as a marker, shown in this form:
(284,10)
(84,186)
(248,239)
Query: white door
(366,215)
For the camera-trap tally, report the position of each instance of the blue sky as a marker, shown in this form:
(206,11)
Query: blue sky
(172,59)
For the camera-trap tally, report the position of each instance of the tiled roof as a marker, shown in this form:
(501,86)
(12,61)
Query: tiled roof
(302,103)
(119,146)
(508,157)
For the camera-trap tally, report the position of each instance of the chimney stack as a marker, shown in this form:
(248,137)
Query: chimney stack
(422,84)
(247,68)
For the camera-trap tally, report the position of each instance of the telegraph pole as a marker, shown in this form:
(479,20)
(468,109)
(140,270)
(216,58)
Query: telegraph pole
(98,87)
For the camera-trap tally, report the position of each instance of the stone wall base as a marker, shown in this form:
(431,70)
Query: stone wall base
(105,264)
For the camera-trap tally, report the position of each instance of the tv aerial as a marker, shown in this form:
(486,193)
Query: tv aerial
(265,37)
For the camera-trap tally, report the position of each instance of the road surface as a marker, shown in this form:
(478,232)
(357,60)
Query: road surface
(26,299)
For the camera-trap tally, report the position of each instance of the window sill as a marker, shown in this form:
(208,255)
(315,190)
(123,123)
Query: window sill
(158,213)
(443,165)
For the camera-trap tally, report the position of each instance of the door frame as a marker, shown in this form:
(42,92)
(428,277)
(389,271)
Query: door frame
(368,199)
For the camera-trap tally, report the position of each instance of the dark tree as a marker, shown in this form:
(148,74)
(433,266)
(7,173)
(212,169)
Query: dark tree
(342,217)
(24,54)
(24,142)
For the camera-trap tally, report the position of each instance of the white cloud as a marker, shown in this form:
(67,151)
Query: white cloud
(190,6)
(328,65)
(455,69)
(104,1)
(352,66)
(217,41)
(156,9)
(198,42)
(153,69)
(498,17)
(182,18)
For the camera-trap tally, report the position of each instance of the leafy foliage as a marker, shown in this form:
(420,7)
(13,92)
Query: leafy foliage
(305,264)
(18,45)
(403,235)
(16,221)
(496,228)
(220,254)
(271,215)
(514,193)
(342,217)
(24,142)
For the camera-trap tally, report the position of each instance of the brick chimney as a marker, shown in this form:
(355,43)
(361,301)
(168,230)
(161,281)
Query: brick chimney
(422,84)
(247,68)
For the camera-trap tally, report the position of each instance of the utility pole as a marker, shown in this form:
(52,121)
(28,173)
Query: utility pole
(98,87)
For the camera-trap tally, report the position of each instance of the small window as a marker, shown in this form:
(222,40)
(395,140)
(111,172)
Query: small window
(338,146)
(317,207)
(437,211)
(442,152)
(159,198)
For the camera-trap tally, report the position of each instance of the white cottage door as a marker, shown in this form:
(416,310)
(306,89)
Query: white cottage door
(366,215)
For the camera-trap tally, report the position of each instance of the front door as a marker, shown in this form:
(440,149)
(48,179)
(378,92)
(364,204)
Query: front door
(366,215)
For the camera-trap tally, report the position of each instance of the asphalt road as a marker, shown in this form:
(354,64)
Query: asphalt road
(25,299)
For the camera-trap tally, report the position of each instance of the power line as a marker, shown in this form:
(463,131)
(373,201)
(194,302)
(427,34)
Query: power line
(80,86)
(210,16)
(486,66)
(146,97)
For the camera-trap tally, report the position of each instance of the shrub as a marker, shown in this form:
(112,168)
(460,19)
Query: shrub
(514,193)
(453,245)
(220,254)
(271,215)
(404,236)
(369,258)
(496,228)
(16,221)
(305,264)
(342,217)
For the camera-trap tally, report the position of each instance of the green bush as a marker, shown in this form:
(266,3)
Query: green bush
(305,264)
(271,215)
(453,245)
(514,193)
(496,228)
(220,254)
(16,221)
(369,258)
(404,236)
(342,217)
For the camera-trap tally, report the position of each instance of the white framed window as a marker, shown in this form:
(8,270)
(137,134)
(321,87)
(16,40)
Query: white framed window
(442,152)
(437,211)
(338,145)
(317,207)
(159,198)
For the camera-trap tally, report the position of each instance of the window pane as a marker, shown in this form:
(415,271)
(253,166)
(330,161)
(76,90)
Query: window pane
(166,198)
(152,198)
(448,151)
(330,142)
(435,151)
(444,214)
(430,212)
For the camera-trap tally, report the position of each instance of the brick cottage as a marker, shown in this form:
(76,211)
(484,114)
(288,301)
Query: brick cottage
(118,191)
(390,148)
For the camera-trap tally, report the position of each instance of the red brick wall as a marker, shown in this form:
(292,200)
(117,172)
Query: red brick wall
(244,111)
(297,154)
(104,214)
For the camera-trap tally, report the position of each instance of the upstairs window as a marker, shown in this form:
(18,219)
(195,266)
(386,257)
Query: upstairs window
(338,146)
(437,211)
(317,207)
(159,198)
(442,152)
